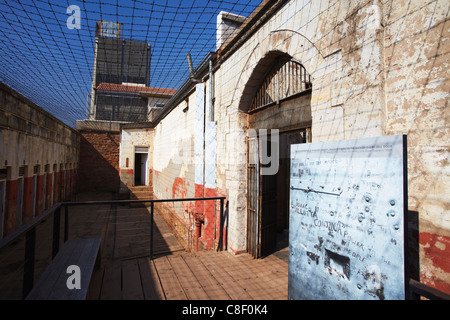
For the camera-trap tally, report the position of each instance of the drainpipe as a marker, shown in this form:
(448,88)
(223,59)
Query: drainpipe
(211,109)
(191,69)
(211,118)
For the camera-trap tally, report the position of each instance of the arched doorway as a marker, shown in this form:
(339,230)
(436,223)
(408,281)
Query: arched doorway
(281,104)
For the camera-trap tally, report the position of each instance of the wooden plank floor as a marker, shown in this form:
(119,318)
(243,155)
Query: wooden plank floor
(127,273)
(204,275)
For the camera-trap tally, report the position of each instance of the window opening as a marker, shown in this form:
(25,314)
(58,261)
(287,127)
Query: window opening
(280,83)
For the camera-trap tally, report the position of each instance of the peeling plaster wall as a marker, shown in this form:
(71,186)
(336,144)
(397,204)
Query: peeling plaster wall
(174,153)
(378,68)
(417,64)
(175,172)
(184,166)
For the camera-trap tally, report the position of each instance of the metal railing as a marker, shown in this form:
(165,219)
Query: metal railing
(29,230)
(416,289)
(222,215)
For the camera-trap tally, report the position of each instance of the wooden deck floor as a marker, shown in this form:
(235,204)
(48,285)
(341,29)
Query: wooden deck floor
(126,272)
(192,276)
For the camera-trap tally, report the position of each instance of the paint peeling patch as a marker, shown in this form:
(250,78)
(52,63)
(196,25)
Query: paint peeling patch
(199,193)
(437,249)
(440,285)
(441,246)
(179,189)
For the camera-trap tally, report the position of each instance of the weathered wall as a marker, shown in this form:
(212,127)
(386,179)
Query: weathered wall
(184,167)
(45,148)
(417,62)
(378,68)
(130,138)
(174,145)
(173,167)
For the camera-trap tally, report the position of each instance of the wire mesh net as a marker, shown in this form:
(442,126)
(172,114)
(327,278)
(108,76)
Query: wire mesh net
(47,48)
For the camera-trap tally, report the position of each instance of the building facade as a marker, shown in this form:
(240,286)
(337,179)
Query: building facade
(39,160)
(297,71)
(119,62)
(120,96)
(305,71)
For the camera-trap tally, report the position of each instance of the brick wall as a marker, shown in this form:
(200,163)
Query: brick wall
(99,161)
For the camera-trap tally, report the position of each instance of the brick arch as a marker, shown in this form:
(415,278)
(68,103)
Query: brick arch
(280,43)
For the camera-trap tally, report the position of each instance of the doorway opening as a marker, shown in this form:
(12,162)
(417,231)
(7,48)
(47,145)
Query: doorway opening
(141,166)
(268,197)
(282,101)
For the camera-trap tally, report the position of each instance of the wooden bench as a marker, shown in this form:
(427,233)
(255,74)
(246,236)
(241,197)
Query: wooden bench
(52,285)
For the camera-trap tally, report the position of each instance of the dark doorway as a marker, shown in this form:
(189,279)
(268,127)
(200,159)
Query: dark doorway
(280,89)
(268,198)
(141,166)
(137,169)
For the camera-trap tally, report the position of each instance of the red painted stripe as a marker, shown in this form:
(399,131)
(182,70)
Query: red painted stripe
(11,206)
(27,206)
(39,195)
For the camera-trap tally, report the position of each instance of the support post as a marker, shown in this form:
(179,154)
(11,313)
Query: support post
(28,268)
(220,246)
(66,223)
(151,230)
(56,231)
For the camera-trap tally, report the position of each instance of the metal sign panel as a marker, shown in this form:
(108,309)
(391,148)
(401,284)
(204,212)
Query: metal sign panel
(347,219)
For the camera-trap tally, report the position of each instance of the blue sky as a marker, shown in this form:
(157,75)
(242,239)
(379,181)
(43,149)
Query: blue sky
(52,65)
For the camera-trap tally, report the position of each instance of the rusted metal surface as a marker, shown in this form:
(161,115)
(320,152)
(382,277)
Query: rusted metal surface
(347,220)
(252,197)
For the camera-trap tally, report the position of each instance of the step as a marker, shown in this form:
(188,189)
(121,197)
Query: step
(141,193)
(138,192)
(141,188)
(142,197)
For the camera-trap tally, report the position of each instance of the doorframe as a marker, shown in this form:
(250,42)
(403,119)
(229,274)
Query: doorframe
(253,200)
(253,236)
(141,150)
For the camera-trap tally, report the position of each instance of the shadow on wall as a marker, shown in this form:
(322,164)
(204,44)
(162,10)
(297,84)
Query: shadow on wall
(99,161)
(413,245)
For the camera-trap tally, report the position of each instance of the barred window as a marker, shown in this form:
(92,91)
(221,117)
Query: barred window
(282,82)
